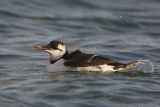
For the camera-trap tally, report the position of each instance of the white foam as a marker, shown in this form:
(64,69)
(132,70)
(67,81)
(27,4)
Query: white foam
(142,66)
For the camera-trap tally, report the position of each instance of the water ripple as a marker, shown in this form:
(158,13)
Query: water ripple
(121,30)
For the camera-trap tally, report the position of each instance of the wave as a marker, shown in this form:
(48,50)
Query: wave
(142,66)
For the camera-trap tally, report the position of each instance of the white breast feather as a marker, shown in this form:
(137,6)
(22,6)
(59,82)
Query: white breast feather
(57,66)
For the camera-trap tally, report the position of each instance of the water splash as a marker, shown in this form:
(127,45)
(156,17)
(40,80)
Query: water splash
(142,66)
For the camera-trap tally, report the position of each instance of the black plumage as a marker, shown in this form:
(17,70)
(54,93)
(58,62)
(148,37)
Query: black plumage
(79,59)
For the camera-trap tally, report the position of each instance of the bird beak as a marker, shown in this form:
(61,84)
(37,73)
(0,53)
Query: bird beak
(43,47)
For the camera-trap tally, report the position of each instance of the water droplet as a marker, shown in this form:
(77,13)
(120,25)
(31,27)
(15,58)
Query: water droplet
(142,66)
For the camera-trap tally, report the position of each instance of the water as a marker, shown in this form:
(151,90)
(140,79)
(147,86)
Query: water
(122,30)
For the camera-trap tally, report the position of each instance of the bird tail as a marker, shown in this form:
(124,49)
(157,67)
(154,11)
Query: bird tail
(120,67)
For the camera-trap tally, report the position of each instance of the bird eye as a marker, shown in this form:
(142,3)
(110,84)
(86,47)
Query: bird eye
(56,48)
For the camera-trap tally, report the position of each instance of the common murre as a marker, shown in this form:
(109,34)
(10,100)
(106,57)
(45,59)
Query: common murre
(61,60)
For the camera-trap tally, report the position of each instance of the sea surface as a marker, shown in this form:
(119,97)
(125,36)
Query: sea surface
(123,30)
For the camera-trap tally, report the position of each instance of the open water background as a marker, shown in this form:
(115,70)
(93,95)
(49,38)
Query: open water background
(124,30)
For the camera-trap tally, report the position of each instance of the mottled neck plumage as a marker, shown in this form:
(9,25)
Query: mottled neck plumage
(53,61)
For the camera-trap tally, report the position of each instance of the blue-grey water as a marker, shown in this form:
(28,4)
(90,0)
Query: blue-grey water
(124,30)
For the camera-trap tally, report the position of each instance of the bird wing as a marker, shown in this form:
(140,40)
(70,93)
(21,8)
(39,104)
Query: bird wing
(84,60)
(73,54)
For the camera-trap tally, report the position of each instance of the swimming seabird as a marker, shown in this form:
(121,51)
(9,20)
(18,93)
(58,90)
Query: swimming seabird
(61,60)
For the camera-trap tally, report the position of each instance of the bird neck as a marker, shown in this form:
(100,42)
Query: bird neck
(52,61)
